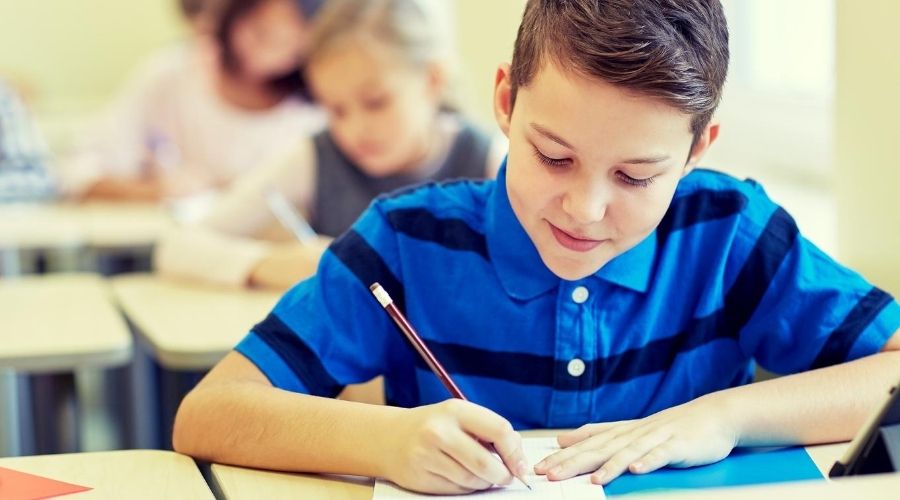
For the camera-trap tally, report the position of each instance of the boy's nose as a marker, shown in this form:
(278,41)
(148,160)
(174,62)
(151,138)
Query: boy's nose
(586,202)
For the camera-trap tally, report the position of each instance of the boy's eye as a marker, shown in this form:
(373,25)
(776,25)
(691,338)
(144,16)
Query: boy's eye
(627,179)
(550,162)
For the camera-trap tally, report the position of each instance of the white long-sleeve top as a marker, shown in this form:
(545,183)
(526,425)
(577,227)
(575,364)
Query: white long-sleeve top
(170,110)
(241,230)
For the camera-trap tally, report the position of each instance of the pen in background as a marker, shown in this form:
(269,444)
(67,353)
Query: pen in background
(289,217)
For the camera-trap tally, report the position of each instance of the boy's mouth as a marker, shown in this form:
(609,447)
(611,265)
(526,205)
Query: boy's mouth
(573,242)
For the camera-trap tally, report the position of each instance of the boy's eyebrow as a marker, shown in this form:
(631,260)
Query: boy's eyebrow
(649,159)
(550,135)
(557,139)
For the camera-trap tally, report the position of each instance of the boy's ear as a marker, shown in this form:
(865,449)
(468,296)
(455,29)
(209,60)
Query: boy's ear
(707,137)
(502,98)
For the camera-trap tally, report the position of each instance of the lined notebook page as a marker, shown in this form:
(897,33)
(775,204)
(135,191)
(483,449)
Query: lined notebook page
(577,488)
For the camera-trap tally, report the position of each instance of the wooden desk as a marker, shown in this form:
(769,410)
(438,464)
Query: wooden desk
(238,483)
(74,234)
(133,474)
(189,326)
(64,225)
(53,324)
(60,322)
(184,329)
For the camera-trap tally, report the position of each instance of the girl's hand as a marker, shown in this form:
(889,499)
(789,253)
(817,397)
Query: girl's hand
(694,433)
(288,263)
(438,449)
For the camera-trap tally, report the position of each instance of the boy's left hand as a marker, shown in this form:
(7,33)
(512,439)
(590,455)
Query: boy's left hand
(690,434)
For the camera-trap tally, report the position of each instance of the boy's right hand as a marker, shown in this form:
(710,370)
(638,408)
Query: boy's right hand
(437,449)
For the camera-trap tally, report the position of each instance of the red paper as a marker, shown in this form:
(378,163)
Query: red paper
(15,485)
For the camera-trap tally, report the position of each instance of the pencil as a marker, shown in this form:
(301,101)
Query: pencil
(388,304)
(289,217)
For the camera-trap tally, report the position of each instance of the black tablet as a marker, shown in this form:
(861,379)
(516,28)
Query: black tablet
(876,448)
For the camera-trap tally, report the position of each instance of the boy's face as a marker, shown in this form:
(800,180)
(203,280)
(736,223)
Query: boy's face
(592,168)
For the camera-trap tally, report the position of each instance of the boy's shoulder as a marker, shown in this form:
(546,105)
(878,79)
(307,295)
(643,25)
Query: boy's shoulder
(708,189)
(707,179)
(458,198)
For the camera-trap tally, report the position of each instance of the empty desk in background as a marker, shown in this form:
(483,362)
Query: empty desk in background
(77,235)
(52,325)
(185,328)
(131,474)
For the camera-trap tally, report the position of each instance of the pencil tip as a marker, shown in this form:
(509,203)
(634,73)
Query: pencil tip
(523,481)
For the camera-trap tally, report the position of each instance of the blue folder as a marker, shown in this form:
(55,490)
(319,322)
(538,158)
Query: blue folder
(744,466)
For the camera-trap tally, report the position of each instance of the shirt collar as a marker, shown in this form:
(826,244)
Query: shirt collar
(519,267)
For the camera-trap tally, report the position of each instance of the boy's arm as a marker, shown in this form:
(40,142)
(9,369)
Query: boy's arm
(824,405)
(235,416)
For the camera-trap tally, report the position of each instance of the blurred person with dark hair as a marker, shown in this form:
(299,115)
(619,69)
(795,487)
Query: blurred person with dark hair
(384,72)
(199,114)
(24,158)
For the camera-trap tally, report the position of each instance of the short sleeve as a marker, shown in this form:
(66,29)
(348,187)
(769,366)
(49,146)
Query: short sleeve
(814,312)
(329,331)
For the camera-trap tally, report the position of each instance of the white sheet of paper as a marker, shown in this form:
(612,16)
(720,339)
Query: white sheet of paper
(577,488)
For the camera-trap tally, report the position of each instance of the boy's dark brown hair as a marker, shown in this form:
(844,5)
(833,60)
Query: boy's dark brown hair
(673,50)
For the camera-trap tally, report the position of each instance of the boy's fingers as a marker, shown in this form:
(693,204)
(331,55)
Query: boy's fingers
(587,461)
(489,427)
(578,435)
(555,459)
(597,441)
(598,450)
(440,485)
(451,470)
(624,456)
(656,458)
(476,459)
(509,447)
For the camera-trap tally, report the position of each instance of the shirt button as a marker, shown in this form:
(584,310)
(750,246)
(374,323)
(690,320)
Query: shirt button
(576,367)
(580,294)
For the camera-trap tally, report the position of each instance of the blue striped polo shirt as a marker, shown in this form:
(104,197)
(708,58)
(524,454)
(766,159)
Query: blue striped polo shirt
(724,281)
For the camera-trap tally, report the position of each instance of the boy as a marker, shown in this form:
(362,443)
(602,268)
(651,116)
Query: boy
(600,278)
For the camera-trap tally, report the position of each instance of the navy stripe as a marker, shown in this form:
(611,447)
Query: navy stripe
(699,207)
(454,234)
(759,270)
(367,265)
(430,184)
(301,360)
(844,337)
(740,302)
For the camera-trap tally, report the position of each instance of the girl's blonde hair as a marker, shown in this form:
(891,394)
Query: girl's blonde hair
(413,29)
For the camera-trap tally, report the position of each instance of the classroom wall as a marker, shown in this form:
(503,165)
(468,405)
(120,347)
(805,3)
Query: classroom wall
(867,134)
(485,32)
(69,55)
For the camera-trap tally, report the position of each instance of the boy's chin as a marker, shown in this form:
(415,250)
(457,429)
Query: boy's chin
(572,271)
